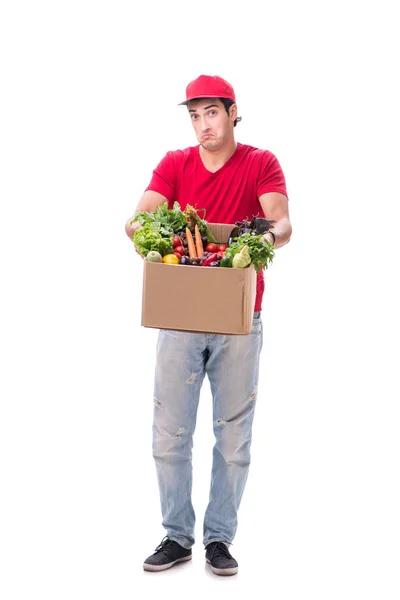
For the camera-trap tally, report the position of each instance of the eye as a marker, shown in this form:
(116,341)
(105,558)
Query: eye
(212,112)
(193,117)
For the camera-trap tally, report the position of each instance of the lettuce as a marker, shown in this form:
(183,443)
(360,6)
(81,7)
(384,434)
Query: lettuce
(149,238)
(167,221)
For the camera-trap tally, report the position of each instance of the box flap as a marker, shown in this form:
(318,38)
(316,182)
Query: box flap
(221,231)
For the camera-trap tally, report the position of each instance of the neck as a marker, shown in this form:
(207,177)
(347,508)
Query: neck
(215,159)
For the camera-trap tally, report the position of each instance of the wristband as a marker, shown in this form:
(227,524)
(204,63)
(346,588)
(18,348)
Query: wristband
(273,236)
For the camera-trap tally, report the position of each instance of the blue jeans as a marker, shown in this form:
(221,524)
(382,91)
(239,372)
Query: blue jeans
(232,365)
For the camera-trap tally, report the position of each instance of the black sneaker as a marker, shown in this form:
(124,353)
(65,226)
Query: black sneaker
(220,559)
(167,554)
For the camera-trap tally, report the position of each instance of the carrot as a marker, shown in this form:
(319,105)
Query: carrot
(191,246)
(199,242)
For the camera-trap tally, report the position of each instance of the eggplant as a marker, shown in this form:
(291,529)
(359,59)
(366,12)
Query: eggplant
(263,225)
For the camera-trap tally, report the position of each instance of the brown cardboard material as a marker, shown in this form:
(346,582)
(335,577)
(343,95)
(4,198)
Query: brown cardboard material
(199,299)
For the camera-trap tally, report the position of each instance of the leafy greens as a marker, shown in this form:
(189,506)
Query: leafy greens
(260,250)
(168,221)
(149,238)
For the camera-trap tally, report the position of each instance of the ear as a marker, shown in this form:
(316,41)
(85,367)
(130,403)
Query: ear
(233,111)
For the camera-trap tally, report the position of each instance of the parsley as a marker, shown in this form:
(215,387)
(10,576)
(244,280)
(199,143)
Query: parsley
(260,250)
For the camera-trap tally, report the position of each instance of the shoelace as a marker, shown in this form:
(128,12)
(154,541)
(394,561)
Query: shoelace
(164,543)
(220,550)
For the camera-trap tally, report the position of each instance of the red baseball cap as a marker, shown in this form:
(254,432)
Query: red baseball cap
(209,86)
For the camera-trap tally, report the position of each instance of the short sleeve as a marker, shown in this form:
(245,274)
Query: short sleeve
(271,177)
(163,180)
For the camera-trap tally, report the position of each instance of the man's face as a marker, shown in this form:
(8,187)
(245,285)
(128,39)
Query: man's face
(212,124)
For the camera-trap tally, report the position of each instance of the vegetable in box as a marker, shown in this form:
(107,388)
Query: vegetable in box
(183,237)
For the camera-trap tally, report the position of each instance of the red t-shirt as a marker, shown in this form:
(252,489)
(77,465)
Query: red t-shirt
(228,195)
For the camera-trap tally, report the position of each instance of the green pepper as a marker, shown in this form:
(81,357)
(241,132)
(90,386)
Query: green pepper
(226,262)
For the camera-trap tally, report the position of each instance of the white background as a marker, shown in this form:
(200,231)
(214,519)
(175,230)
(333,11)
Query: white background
(89,105)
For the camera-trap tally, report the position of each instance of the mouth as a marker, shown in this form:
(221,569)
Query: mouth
(206,136)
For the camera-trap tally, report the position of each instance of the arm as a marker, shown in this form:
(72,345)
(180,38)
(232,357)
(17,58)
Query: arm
(148,203)
(164,181)
(276,206)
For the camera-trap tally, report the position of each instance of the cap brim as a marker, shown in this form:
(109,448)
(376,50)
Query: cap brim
(204,96)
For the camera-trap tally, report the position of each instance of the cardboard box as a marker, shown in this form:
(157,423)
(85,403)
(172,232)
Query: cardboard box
(199,299)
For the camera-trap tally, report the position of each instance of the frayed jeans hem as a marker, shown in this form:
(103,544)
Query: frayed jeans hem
(206,543)
(181,542)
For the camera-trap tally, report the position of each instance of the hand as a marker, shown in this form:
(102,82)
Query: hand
(270,237)
(131,229)
(141,256)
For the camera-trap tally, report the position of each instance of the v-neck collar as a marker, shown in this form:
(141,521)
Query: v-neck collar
(230,160)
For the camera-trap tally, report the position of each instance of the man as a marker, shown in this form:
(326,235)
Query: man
(232,181)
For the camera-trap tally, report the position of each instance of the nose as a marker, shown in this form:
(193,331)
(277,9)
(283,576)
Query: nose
(204,124)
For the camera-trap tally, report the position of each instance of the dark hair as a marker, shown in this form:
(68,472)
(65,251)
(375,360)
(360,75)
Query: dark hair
(227,102)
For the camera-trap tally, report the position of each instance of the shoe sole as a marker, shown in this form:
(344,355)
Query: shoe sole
(148,567)
(231,571)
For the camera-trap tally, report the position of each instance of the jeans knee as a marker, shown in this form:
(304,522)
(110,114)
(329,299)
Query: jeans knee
(174,443)
(234,446)
(233,456)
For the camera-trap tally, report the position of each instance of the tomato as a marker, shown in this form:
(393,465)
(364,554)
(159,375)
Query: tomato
(221,254)
(178,255)
(170,259)
(222,247)
(180,249)
(212,248)
(176,241)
